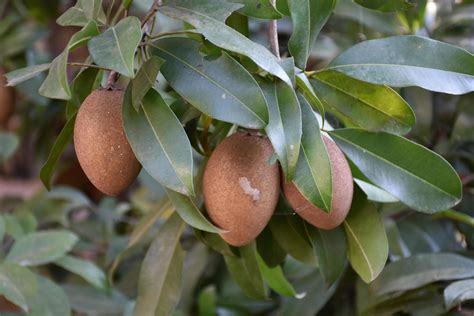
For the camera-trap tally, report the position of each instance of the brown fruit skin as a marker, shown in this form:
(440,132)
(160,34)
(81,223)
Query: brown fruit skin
(7,306)
(7,100)
(342,190)
(241,187)
(101,146)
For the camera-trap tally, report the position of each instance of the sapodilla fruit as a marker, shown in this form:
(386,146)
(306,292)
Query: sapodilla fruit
(7,100)
(342,190)
(101,145)
(241,187)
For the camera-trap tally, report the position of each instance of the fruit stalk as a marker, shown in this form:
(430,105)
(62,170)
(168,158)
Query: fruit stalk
(273,35)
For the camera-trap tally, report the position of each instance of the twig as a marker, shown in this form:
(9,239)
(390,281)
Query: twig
(154,8)
(457,216)
(88,65)
(273,35)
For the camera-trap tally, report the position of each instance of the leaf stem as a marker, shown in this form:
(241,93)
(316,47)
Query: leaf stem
(273,35)
(457,216)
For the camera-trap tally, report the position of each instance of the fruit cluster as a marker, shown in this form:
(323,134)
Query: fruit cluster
(241,184)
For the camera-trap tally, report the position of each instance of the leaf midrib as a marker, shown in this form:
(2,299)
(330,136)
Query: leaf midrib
(394,165)
(366,258)
(213,82)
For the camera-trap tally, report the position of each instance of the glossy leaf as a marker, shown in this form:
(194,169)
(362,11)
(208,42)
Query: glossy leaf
(284,128)
(41,247)
(159,283)
(18,284)
(276,279)
(83,12)
(416,176)
(85,269)
(385,5)
(21,75)
(289,230)
(220,88)
(367,240)
(308,18)
(56,85)
(145,80)
(59,146)
(373,107)
(419,270)
(262,9)
(404,61)
(160,143)
(330,247)
(115,48)
(190,213)
(207,301)
(208,17)
(458,292)
(305,88)
(375,193)
(269,249)
(84,35)
(246,272)
(313,170)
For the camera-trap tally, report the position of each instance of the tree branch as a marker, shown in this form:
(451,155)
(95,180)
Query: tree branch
(273,35)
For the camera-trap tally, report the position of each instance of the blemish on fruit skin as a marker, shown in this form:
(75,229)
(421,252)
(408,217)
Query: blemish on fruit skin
(245,185)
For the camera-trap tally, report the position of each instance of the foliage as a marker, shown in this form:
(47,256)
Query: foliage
(392,88)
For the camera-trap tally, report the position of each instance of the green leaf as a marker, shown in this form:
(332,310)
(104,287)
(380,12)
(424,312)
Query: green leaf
(284,127)
(214,241)
(308,18)
(85,269)
(373,107)
(8,144)
(18,284)
(49,299)
(145,80)
(147,222)
(269,249)
(56,85)
(190,213)
(41,247)
(375,193)
(90,301)
(207,301)
(208,16)
(220,88)
(458,292)
(246,272)
(403,61)
(330,247)
(276,279)
(305,88)
(419,270)
(385,5)
(83,36)
(290,232)
(160,143)
(367,240)
(63,140)
(82,13)
(313,170)
(115,48)
(85,82)
(159,283)
(261,9)
(415,175)
(21,75)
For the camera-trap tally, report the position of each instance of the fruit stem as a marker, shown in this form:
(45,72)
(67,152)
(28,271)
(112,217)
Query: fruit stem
(111,80)
(273,35)
(457,216)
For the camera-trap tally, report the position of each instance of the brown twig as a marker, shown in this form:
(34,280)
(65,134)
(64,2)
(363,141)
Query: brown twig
(273,35)
(113,76)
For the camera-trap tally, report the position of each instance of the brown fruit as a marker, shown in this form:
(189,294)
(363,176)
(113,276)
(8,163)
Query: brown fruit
(241,187)
(101,146)
(7,306)
(7,100)
(342,189)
